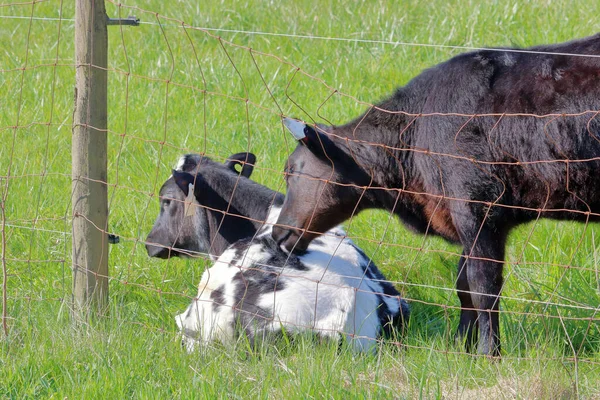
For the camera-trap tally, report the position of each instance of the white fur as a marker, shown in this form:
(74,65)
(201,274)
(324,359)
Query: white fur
(331,296)
(180,163)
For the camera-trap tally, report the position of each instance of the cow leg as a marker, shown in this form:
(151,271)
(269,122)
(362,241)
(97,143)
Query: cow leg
(467,327)
(479,283)
(484,277)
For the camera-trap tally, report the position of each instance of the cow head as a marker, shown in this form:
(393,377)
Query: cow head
(174,234)
(323,186)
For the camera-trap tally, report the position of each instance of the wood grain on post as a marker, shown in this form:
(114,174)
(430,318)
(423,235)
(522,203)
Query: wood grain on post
(89,160)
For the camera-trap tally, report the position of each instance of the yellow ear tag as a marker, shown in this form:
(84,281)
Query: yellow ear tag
(189,202)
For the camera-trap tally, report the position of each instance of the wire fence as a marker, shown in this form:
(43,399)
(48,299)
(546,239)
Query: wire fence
(198,92)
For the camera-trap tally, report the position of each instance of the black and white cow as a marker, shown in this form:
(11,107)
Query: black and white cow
(234,208)
(254,287)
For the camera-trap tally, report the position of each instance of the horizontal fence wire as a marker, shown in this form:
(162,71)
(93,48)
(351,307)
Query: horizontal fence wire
(314,37)
(42,235)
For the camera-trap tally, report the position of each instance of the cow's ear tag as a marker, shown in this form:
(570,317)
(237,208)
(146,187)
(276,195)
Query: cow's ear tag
(189,202)
(296,128)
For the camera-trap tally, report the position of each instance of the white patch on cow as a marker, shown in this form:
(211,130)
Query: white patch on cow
(331,295)
(180,163)
(200,323)
(271,220)
(295,127)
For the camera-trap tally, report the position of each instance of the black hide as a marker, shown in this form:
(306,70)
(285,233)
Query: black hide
(466,150)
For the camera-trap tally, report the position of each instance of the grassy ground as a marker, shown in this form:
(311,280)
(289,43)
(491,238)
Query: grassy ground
(172,91)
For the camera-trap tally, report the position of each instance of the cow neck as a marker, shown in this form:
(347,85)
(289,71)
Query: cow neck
(380,138)
(380,149)
(232,218)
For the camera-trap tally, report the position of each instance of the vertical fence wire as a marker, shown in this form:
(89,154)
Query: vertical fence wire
(161,89)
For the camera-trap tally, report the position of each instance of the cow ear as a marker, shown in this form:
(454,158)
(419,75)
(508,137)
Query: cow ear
(298,129)
(245,160)
(318,143)
(183,180)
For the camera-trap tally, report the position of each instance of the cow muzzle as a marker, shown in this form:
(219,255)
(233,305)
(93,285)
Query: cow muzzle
(290,240)
(157,251)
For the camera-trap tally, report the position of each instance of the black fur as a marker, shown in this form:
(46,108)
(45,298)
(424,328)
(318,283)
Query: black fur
(469,175)
(218,297)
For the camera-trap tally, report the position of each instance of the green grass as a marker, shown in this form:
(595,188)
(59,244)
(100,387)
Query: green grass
(134,352)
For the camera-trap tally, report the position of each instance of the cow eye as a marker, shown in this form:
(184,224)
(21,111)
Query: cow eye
(166,202)
(289,171)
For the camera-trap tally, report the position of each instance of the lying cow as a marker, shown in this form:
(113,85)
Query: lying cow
(235,208)
(467,150)
(254,287)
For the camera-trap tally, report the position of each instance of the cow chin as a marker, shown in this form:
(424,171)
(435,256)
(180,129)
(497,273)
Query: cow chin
(163,252)
(157,251)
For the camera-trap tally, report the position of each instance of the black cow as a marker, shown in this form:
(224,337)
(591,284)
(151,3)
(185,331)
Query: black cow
(467,150)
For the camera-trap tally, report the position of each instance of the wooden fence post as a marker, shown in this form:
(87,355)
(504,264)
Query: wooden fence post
(89,160)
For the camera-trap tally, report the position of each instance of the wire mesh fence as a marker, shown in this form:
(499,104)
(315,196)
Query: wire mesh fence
(176,88)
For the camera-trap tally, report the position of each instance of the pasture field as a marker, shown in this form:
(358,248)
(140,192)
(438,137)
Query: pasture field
(175,90)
